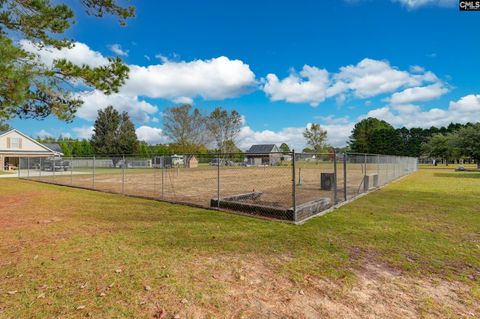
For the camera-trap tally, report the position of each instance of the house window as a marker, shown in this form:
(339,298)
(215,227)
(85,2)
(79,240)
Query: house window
(15,142)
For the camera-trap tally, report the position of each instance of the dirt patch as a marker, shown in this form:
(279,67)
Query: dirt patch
(254,290)
(11,201)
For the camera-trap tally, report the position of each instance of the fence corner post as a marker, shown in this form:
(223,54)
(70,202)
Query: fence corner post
(345,195)
(294,188)
(218,180)
(334,177)
(123,174)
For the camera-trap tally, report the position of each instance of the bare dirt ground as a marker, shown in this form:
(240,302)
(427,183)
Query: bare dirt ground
(199,185)
(254,290)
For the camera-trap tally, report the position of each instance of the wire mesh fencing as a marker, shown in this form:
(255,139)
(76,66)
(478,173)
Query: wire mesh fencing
(287,186)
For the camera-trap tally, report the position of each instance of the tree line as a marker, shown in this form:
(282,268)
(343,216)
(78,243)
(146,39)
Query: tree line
(193,131)
(454,142)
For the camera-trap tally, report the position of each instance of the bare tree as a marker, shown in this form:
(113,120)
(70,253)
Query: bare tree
(316,137)
(185,126)
(224,128)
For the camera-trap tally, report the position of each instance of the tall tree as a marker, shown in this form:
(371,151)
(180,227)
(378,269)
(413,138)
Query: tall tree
(387,141)
(316,137)
(30,88)
(224,127)
(467,139)
(284,148)
(184,125)
(438,147)
(362,133)
(114,134)
(127,137)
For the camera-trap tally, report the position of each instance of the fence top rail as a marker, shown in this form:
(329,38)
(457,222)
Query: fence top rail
(224,155)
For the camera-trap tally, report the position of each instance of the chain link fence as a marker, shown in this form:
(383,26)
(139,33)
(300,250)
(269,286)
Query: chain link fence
(287,186)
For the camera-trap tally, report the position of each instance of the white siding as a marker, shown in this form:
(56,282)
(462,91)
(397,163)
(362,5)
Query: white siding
(27,145)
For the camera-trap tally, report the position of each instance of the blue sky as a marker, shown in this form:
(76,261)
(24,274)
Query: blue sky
(283,64)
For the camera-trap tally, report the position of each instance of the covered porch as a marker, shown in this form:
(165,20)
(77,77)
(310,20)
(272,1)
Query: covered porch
(11,162)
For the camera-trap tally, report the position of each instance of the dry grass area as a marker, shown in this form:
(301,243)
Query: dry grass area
(199,185)
(409,250)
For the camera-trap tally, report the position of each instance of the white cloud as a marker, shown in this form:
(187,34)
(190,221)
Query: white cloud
(337,135)
(467,104)
(366,79)
(178,81)
(151,135)
(413,4)
(84,132)
(138,109)
(79,54)
(117,49)
(44,134)
(416,94)
(373,77)
(310,86)
(466,109)
(213,79)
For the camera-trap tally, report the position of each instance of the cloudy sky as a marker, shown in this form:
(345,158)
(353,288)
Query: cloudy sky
(282,64)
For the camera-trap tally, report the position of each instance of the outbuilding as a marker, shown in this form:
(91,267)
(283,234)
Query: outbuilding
(263,154)
(191,161)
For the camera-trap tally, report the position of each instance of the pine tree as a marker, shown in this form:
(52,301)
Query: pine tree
(30,88)
(114,134)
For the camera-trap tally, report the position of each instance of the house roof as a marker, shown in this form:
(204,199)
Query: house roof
(262,149)
(53,146)
(47,146)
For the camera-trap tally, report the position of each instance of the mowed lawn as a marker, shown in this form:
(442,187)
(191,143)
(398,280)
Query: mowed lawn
(409,250)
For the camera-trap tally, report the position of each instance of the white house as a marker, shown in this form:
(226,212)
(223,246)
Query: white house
(15,145)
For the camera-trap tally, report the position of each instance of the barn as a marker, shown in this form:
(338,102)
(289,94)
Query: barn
(15,145)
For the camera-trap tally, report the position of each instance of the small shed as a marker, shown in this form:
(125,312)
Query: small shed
(263,154)
(191,161)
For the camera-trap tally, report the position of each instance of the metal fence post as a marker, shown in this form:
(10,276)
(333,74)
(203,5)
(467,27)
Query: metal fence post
(28,166)
(218,180)
(53,169)
(40,168)
(163,168)
(93,178)
(71,170)
(345,176)
(334,177)
(294,188)
(123,174)
(365,163)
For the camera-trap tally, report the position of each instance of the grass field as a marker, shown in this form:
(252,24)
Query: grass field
(409,250)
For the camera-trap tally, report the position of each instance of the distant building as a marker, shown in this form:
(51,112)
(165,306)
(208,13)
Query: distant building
(263,154)
(15,145)
(191,161)
(178,160)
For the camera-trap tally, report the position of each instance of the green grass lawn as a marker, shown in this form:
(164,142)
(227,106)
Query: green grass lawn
(411,249)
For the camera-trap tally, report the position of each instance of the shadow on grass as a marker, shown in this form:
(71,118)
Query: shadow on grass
(458,174)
